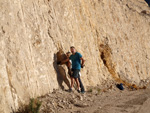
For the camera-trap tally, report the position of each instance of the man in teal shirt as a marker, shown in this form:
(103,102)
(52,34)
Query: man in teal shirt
(77,64)
(76,60)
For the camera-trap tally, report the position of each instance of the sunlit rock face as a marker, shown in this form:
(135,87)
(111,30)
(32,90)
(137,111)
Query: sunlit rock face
(112,35)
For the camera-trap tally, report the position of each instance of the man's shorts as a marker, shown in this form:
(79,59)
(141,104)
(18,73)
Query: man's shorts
(75,73)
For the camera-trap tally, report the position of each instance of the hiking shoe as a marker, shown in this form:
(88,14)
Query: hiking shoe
(70,90)
(82,92)
(78,91)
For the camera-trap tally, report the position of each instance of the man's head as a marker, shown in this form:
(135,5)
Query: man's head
(72,49)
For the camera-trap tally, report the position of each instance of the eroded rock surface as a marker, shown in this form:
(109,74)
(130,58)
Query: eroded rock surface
(113,37)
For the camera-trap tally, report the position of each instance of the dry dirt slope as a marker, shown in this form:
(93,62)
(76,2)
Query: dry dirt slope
(113,37)
(95,101)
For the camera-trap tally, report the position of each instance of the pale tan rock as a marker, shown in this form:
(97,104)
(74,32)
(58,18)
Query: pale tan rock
(33,31)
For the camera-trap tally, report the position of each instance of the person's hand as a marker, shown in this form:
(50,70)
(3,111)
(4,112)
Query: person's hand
(82,66)
(59,62)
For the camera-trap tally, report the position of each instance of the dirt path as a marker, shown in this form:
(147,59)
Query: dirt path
(95,101)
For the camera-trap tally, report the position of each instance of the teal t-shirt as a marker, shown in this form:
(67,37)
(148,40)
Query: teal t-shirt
(76,62)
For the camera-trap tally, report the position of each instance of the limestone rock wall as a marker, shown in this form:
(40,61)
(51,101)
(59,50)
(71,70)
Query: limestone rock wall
(113,37)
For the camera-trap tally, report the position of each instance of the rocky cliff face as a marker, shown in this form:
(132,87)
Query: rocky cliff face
(113,37)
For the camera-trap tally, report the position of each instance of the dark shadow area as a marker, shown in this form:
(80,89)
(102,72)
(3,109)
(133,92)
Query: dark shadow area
(148,2)
(103,58)
(60,71)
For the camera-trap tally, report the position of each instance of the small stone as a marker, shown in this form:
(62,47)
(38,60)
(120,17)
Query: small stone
(70,106)
(52,110)
(63,101)
(72,101)
(80,97)
(54,104)
(81,104)
(60,105)
(89,99)
(73,96)
(99,107)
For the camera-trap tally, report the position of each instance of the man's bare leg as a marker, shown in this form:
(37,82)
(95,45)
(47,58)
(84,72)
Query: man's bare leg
(77,82)
(72,82)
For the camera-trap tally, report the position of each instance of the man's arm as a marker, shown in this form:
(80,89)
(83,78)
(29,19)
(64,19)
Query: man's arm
(64,61)
(82,62)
